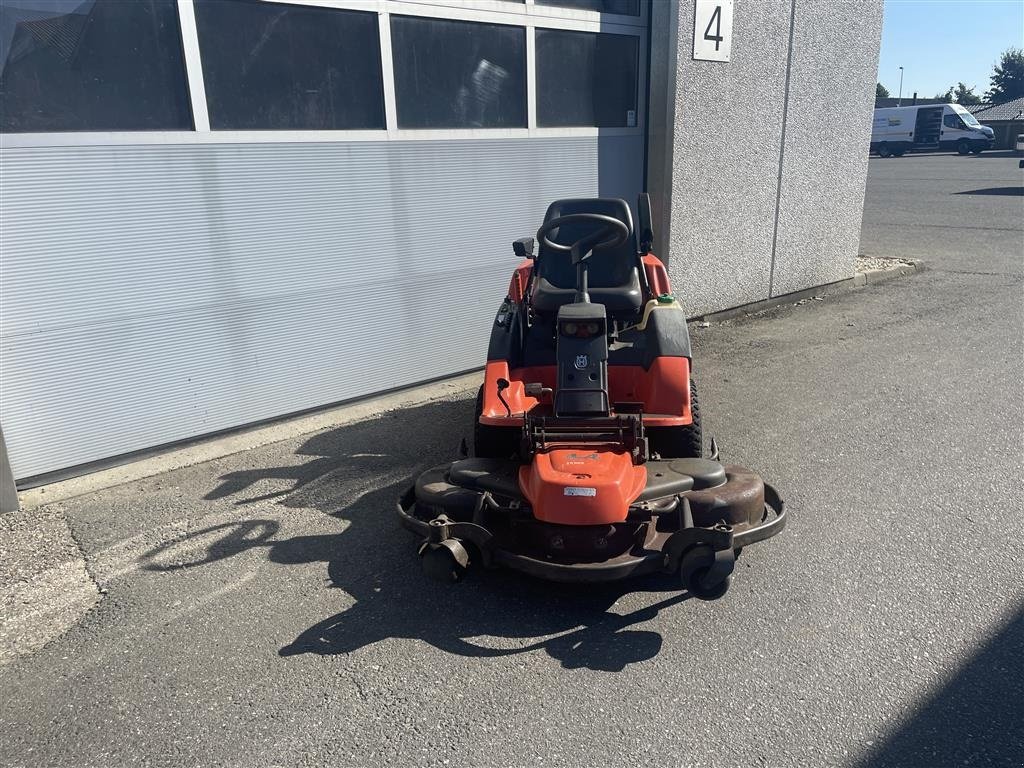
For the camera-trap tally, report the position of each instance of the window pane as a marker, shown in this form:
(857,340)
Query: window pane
(953,121)
(91,65)
(458,74)
(625,7)
(269,66)
(586,78)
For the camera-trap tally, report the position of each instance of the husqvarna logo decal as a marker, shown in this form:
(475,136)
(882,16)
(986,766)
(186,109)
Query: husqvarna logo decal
(582,361)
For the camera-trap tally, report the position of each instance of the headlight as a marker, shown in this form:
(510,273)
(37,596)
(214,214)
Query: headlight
(581,330)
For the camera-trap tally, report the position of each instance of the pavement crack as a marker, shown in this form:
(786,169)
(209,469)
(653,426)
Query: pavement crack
(86,560)
(48,588)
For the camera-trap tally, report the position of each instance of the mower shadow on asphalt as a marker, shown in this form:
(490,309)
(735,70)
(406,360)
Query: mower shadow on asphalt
(490,614)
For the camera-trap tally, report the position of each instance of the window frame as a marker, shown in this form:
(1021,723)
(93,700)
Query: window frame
(324,16)
(638,63)
(528,15)
(182,86)
(961,125)
(515,27)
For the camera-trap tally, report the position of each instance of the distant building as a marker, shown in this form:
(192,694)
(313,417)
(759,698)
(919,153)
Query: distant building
(1006,120)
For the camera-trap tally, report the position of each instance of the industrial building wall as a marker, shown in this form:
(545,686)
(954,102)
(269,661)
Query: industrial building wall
(212,245)
(161,292)
(216,213)
(758,165)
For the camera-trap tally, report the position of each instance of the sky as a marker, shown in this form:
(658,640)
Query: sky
(942,42)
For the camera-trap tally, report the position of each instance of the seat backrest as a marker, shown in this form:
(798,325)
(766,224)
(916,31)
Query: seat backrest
(607,268)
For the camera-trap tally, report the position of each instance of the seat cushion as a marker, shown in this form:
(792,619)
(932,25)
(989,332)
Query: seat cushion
(624,299)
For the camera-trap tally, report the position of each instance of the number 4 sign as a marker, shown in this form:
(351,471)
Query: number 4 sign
(712,30)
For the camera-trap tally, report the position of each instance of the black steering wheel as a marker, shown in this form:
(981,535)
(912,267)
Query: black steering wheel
(611,233)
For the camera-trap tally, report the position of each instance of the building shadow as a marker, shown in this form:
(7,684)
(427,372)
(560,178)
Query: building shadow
(996,154)
(975,719)
(1017,191)
(989,154)
(373,560)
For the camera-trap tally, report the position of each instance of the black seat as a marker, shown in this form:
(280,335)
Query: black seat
(612,276)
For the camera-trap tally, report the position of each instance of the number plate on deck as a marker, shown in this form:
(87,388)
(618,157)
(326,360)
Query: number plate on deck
(573,490)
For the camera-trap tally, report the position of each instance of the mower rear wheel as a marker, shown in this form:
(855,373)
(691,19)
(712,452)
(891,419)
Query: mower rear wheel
(492,442)
(679,442)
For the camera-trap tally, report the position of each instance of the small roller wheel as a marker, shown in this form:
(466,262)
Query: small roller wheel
(694,566)
(446,562)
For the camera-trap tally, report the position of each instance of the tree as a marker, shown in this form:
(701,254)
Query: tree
(946,97)
(966,96)
(1007,77)
(881,92)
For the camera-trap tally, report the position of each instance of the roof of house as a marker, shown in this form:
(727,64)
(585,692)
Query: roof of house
(1008,110)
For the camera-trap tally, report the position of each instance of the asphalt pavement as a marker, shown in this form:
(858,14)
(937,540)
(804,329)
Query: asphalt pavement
(266,608)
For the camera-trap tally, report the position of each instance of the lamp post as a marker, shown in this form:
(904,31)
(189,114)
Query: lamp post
(899,99)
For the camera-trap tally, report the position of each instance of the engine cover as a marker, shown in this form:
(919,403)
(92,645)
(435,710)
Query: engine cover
(586,485)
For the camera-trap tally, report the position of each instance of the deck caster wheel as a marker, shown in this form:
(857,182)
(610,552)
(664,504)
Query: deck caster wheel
(446,561)
(706,574)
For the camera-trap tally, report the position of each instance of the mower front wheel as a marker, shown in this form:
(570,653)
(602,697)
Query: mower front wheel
(446,562)
(679,442)
(693,571)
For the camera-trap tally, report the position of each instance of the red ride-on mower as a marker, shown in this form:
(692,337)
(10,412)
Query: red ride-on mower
(588,450)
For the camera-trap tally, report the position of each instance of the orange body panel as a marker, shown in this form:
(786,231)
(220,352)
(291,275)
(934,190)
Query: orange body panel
(663,389)
(519,403)
(657,276)
(586,485)
(517,286)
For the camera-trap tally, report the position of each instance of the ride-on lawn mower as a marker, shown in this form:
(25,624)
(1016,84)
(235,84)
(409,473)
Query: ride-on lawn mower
(588,448)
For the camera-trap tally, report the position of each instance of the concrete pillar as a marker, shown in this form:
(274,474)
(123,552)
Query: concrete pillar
(757,166)
(8,491)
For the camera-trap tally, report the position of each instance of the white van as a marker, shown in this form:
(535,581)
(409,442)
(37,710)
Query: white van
(928,128)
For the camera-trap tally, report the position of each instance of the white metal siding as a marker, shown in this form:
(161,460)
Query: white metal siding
(150,294)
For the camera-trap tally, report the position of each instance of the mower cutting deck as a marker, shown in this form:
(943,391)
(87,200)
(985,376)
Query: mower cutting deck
(588,448)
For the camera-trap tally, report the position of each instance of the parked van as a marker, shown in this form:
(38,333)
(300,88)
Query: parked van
(928,128)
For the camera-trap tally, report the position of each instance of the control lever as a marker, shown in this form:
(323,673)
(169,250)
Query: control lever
(502,386)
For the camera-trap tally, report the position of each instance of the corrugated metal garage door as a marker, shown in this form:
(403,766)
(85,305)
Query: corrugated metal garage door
(155,293)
